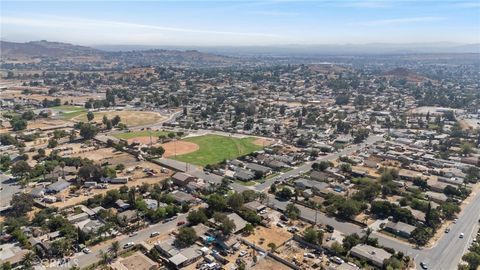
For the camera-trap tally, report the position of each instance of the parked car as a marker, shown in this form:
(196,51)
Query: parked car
(337,260)
(462,235)
(86,250)
(128,245)
(424,265)
(447,230)
(242,253)
(153,234)
(180,223)
(281,225)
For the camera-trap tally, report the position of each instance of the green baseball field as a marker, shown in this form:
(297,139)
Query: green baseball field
(213,149)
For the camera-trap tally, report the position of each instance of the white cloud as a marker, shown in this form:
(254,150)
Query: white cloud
(400,21)
(62,22)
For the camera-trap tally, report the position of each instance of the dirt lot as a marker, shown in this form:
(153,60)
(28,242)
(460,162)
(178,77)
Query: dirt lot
(17,93)
(129,118)
(263,236)
(137,261)
(44,124)
(263,142)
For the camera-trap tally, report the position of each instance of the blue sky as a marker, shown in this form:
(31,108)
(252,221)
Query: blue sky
(269,22)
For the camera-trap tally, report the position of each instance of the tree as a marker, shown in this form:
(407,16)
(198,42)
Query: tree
(292,211)
(345,167)
(21,203)
(350,241)
(115,247)
(420,236)
(52,143)
(72,136)
(348,209)
(321,166)
(18,124)
(197,216)
(249,229)
(28,115)
(116,120)
(342,99)
(368,232)
(120,167)
(28,260)
(285,193)
(186,237)
(225,224)
(216,202)
(466,148)
(104,119)
(272,247)
(7,139)
(313,236)
(105,257)
(131,196)
(21,169)
(235,201)
(90,116)
(88,131)
(473,260)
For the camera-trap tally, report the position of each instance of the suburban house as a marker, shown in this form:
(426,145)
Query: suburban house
(182,179)
(400,228)
(374,255)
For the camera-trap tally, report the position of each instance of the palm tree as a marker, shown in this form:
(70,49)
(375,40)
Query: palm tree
(115,247)
(368,232)
(105,257)
(62,165)
(28,260)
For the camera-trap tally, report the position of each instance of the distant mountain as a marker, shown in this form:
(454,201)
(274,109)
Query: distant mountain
(295,50)
(44,48)
(58,50)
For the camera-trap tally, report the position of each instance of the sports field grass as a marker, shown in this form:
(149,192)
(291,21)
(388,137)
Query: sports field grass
(129,118)
(140,133)
(214,149)
(69,112)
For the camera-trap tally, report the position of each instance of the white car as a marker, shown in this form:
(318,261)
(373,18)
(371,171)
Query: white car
(128,245)
(461,235)
(86,250)
(242,253)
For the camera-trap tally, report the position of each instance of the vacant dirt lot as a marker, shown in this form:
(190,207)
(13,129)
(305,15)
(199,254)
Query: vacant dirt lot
(263,142)
(263,236)
(129,118)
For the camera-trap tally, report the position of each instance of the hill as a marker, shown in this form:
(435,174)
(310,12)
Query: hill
(35,49)
(405,73)
(65,51)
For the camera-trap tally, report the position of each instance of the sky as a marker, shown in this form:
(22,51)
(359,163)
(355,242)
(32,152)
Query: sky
(240,23)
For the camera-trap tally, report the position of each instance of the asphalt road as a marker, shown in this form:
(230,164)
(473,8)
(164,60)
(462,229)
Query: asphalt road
(307,166)
(84,260)
(448,251)
(445,255)
(8,189)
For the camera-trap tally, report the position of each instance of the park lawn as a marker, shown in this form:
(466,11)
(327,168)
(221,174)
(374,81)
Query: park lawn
(213,149)
(69,112)
(141,133)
